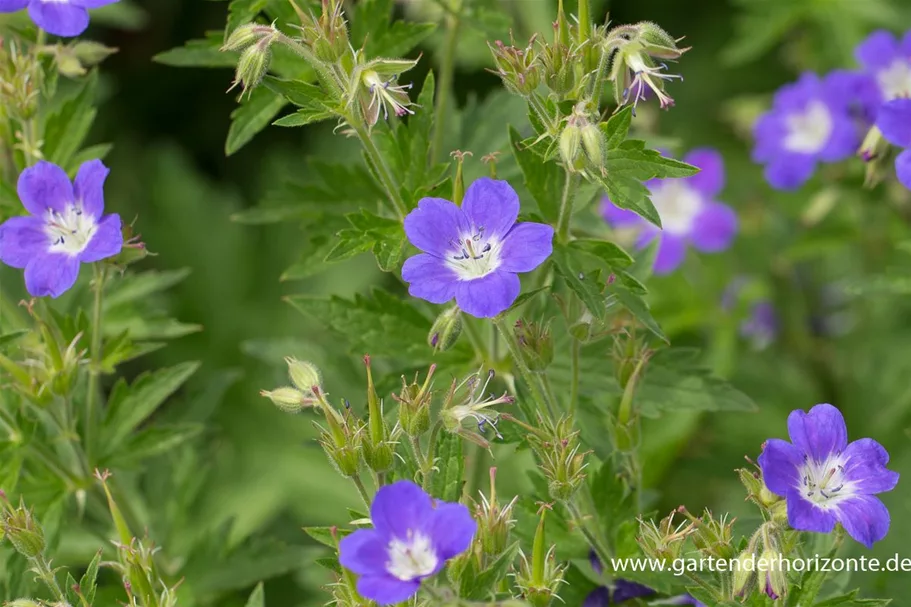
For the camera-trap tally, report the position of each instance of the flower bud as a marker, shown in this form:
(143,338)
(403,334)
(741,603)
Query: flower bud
(248,35)
(714,537)
(539,578)
(570,140)
(446,329)
(253,65)
(494,521)
(535,344)
(22,603)
(414,404)
(558,449)
(519,69)
(288,399)
(24,532)
(744,574)
(771,572)
(664,540)
(305,376)
(594,146)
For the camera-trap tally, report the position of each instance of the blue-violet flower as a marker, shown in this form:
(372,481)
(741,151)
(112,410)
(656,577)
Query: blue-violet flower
(689,213)
(894,121)
(810,121)
(412,538)
(472,253)
(58,17)
(827,480)
(625,590)
(66,227)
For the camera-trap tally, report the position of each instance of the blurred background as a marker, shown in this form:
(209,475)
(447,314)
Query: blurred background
(815,254)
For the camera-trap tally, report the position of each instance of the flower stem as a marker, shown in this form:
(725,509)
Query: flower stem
(574,385)
(43,569)
(566,206)
(95,361)
(382,170)
(524,371)
(447,73)
(475,338)
(362,490)
(603,553)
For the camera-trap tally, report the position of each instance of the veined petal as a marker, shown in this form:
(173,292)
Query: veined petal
(400,507)
(865,467)
(903,168)
(436,226)
(878,50)
(491,205)
(107,240)
(894,120)
(51,275)
(714,228)
(526,246)
(451,530)
(21,240)
(60,19)
(488,296)
(429,278)
(89,187)
(804,515)
(671,252)
(385,589)
(819,432)
(865,518)
(780,463)
(45,186)
(364,552)
(710,179)
(11,6)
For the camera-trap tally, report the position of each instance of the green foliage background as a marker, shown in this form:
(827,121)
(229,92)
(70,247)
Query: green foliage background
(266,478)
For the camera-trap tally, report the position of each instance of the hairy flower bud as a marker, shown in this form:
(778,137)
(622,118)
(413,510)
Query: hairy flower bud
(772,577)
(305,376)
(446,329)
(562,463)
(494,521)
(414,404)
(569,144)
(540,576)
(519,69)
(24,532)
(536,344)
(288,399)
(664,540)
(744,573)
(252,66)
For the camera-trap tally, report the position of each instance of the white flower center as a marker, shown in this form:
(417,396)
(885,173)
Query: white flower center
(71,231)
(809,131)
(895,80)
(474,256)
(411,558)
(678,205)
(823,483)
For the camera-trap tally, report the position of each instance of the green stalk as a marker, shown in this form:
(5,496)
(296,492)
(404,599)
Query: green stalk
(362,490)
(603,553)
(574,386)
(566,206)
(43,569)
(447,74)
(524,371)
(95,353)
(382,170)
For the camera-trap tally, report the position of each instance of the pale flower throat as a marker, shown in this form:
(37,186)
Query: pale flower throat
(71,231)
(474,256)
(677,204)
(411,558)
(823,483)
(809,131)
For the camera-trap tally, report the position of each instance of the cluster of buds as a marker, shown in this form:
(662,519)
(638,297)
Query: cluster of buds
(469,399)
(712,536)
(342,437)
(637,54)
(74,59)
(414,402)
(326,35)
(759,494)
(761,565)
(306,381)
(141,579)
(20,80)
(582,145)
(378,447)
(255,42)
(20,527)
(446,328)
(519,69)
(559,454)
(539,577)
(494,522)
(536,345)
(664,540)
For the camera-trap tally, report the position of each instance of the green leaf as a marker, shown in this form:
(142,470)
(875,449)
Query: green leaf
(638,307)
(129,406)
(582,278)
(446,484)
(153,441)
(258,597)
(89,582)
(851,600)
(323,535)
(544,180)
(12,336)
(255,113)
(66,128)
(386,237)
(373,27)
(616,129)
(199,53)
(136,287)
(314,104)
(479,584)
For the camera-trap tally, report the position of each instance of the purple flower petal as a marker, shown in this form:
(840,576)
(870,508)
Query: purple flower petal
(769,131)
(879,50)
(429,278)
(45,186)
(58,18)
(436,226)
(107,240)
(51,275)
(400,507)
(617,217)
(89,187)
(819,433)
(789,171)
(625,590)
(671,252)
(364,552)
(686,599)
(865,467)
(714,228)
(843,140)
(906,44)
(488,296)
(865,518)
(385,589)
(92,3)
(780,462)
(21,240)
(452,529)
(903,168)
(710,180)
(894,120)
(11,6)
(599,597)
(526,247)
(491,205)
(804,515)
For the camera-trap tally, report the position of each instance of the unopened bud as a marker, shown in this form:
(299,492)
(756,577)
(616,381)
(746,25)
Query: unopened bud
(24,532)
(446,329)
(744,574)
(593,143)
(570,141)
(288,399)
(414,404)
(304,375)
(773,580)
(253,65)
(247,35)
(535,344)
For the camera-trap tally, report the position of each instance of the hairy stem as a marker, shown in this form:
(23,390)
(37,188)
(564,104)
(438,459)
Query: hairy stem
(524,371)
(362,490)
(574,385)
(604,555)
(382,171)
(566,206)
(447,73)
(43,569)
(95,354)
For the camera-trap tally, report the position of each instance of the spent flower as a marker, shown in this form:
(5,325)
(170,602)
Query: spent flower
(65,18)
(470,400)
(638,55)
(689,213)
(66,227)
(412,537)
(473,253)
(825,479)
